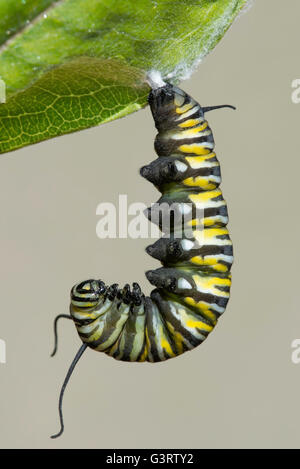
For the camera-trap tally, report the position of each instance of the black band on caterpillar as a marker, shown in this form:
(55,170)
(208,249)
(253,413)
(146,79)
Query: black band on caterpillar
(192,286)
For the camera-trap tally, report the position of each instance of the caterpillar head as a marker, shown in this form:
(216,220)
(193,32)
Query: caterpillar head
(87,294)
(168,104)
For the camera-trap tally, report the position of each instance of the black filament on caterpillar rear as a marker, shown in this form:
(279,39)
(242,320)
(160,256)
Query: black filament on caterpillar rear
(192,286)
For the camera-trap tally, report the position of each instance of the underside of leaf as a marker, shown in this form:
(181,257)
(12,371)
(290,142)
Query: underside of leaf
(72,64)
(80,94)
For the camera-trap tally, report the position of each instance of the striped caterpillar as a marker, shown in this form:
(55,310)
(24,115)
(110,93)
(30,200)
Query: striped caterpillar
(193,284)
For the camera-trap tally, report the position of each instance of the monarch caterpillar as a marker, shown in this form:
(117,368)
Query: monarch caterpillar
(193,284)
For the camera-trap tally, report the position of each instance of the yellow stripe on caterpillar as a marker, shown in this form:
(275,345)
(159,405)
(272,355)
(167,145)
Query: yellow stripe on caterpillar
(204,309)
(197,162)
(195,130)
(186,107)
(165,344)
(144,355)
(210,284)
(189,123)
(211,262)
(196,148)
(200,182)
(211,236)
(190,322)
(203,197)
(177,337)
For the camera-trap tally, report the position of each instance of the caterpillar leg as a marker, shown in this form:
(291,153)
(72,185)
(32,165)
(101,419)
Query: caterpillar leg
(61,396)
(65,316)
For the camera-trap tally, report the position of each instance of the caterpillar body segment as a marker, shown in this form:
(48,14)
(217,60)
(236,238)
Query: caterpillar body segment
(192,286)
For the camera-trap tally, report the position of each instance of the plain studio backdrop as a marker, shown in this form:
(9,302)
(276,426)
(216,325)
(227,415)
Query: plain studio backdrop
(240,388)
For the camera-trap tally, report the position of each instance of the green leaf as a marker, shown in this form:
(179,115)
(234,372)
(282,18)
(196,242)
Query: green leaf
(73,64)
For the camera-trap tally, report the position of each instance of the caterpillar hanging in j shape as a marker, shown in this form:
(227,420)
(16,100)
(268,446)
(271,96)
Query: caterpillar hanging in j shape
(193,284)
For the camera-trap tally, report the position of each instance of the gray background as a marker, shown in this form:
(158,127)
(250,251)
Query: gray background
(240,388)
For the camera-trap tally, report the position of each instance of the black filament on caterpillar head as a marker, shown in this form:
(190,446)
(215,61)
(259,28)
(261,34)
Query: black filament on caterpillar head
(192,286)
